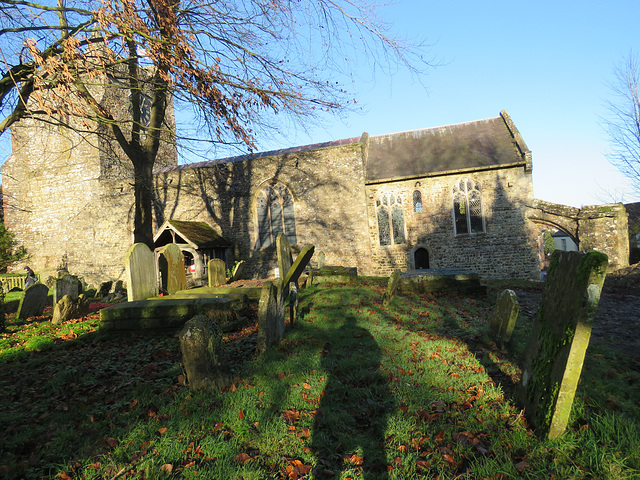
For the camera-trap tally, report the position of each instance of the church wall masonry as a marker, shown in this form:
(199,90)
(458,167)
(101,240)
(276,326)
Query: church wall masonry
(72,195)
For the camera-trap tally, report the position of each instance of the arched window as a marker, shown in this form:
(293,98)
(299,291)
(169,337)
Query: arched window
(417,201)
(275,215)
(467,207)
(390,219)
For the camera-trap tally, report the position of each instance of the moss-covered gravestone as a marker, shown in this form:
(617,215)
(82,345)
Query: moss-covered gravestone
(217,271)
(201,347)
(392,288)
(140,269)
(504,317)
(555,353)
(67,308)
(174,276)
(33,301)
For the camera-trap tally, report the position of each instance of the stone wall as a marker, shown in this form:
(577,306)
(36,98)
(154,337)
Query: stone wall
(507,248)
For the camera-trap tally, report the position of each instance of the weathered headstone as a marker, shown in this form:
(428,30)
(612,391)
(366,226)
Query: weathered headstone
(504,317)
(285,259)
(65,284)
(554,356)
(140,268)
(293,306)
(201,345)
(270,318)
(392,288)
(67,308)
(176,278)
(217,271)
(105,288)
(321,260)
(33,301)
(237,272)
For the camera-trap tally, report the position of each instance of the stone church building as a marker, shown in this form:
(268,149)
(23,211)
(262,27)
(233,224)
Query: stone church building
(454,196)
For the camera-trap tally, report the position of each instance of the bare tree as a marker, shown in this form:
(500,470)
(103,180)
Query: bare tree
(232,64)
(623,122)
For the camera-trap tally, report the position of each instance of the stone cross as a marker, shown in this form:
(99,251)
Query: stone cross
(176,276)
(33,301)
(217,271)
(554,356)
(392,288)
(504,317)
(65,284)
(140,269)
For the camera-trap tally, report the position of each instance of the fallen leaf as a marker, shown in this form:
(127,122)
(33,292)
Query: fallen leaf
(306,386)
(449,459)
(162,430)
(242,458)
(112,442)
(291,416)
(241,415)
(520,466)
(166,468)
(423,464)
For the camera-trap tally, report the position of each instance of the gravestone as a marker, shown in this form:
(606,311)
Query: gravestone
(3,323)
(68,308)
(33,301)
(504,317)
(140,268)
(392,288)
(176,278)
(201,347)
(105,288)
(321,260)
(270,318)
(238,270)
(285,259)
(217,271)
(65,284)
(300,263)
(293,306)
(554,356)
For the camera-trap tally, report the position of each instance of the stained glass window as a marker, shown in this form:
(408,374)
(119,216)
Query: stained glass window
(275,214)
(390,219)
(417,201)
(467,207)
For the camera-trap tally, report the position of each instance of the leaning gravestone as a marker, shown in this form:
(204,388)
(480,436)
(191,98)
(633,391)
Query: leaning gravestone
(140,268)
(293,274)
(392,288)
(270,318)
(201,347)
(504,317)
(554,356)
(176,276)
(217,271)
(65,284)
(33,301)
(237,272)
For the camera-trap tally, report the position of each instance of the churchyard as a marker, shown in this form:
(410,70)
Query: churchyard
(363,385)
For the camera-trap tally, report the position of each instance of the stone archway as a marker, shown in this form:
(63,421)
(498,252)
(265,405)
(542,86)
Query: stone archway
(600,227)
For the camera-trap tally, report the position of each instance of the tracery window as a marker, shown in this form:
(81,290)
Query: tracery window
(467,207)
(275,215)
(417,201)
(390,219)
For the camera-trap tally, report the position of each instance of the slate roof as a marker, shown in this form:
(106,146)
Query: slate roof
(480,144)
(199,234)
(484,143)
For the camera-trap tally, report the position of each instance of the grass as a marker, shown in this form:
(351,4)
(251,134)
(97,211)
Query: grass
(415,390)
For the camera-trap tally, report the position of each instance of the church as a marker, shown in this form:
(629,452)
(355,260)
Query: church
(452,196)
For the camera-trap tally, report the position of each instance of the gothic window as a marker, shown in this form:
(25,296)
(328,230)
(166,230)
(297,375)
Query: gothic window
(390,219)
(467,207)
(417,201)
(275,215)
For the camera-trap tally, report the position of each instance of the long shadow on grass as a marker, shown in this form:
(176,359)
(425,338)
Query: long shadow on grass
(353,412)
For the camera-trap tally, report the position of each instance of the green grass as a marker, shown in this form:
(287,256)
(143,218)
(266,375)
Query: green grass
(415,390)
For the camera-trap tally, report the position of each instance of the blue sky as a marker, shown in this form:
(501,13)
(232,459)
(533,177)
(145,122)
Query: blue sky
(546,62)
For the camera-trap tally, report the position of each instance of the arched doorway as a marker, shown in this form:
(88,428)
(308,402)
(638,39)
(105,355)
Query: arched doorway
(421,258)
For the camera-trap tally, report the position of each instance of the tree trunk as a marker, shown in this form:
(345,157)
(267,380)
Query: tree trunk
(143,191)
